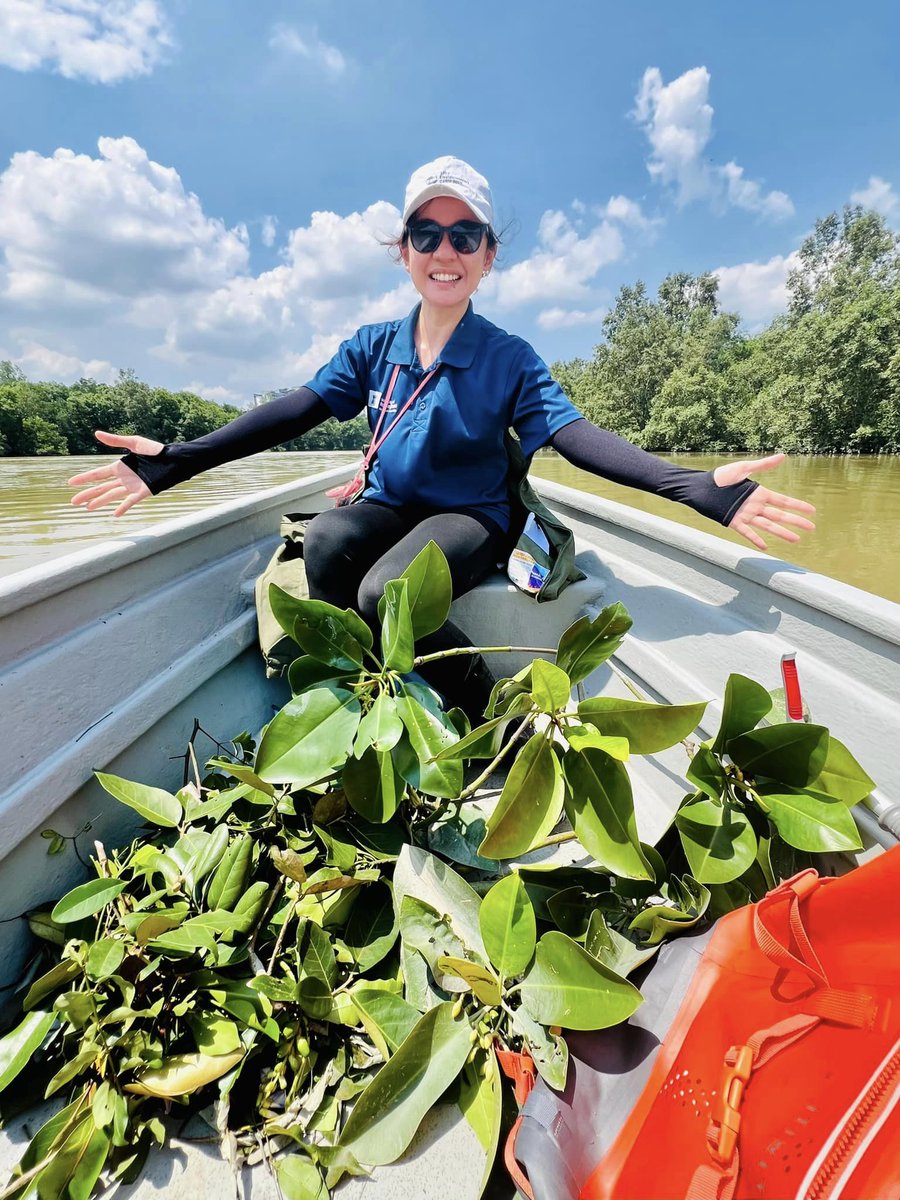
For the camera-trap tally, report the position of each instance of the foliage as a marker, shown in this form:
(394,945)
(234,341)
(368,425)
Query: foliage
(317,938)
(678,374)
(55,418)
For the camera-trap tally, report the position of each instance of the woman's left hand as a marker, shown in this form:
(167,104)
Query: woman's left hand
(764,509)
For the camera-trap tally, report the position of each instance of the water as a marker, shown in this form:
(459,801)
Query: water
(858,503)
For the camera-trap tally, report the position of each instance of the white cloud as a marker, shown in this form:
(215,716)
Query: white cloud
(628,212)
(308,45)
(89,233)
(568,318)
(879,195)
(677,119)
(747,193)
(215,392)
(42,362)
(268,231)
(562,265)
(756,290)
(102,41)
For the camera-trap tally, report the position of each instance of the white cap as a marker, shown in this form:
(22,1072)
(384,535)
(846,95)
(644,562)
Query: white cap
(449,176)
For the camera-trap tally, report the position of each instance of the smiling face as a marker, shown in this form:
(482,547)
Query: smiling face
(445,278)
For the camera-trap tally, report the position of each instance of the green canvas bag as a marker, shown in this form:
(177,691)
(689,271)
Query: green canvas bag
(286,568)
(559,558)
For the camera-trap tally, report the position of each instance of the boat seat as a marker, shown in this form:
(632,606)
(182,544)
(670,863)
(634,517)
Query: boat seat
(495,613)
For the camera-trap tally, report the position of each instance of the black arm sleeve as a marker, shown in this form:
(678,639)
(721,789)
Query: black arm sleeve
(607,454)
(258,429)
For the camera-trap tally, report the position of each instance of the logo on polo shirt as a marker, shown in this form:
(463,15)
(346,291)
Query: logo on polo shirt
(375,399)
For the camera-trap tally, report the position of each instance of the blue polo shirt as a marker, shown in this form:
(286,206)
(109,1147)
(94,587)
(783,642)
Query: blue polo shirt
(447,450)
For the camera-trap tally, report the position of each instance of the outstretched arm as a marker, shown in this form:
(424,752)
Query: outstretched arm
(151,467)
(726,495)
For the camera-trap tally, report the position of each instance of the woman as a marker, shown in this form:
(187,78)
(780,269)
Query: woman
(450,384)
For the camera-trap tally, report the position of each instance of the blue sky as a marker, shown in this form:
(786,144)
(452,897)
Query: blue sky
(196,189)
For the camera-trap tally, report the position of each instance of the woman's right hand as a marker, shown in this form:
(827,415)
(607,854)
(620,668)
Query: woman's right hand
(115,483)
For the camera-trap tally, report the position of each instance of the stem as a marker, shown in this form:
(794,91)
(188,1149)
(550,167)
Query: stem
(280,939)
(495,762)
(426,658)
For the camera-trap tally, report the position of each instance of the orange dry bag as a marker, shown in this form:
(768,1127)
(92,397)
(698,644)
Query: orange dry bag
(780,1074)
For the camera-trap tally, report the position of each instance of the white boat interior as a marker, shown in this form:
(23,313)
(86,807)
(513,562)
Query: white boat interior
(109,655)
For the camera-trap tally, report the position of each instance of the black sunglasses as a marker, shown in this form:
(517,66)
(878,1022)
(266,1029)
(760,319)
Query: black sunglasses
(465,236)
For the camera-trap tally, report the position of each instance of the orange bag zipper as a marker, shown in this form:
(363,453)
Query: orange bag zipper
(839,1158)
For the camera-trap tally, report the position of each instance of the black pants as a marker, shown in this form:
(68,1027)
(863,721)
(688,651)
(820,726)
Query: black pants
(352,552)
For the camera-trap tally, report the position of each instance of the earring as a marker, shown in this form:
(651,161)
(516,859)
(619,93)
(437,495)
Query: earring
(485,273)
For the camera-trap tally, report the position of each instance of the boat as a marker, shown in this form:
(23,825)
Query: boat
(112,657)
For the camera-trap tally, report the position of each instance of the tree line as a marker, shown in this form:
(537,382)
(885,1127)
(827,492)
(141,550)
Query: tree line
(677,373)
(58,418)
(671,373)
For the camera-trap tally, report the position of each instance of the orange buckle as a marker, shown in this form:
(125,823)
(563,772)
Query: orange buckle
(734,1083)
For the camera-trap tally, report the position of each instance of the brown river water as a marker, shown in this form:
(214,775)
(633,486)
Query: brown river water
(858,503)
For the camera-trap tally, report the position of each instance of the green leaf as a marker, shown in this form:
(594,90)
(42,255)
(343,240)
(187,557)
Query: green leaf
(689,901)
(208,856)
(743,707)
(430,590)
(104,958)
(508,926)
(550,686)
(214,1034)
(600,807)
(243,772)
(388,1018)
(58,975)
(589,737)
(707,773)
(372,928)
(588,643)
(299,1178)
(17,1047)
(336,636)
(183,1074)
(380,727)
(427,878)
(432,935)
(549,1050)
(76,1164)
(809,820)
(153,804)
(458,834)
(567,986)
(481,979)
(718,840)
(396,627)
(612,948)
(481,1103)
(388,1113)
(427,736)
(318,969)
(307,672)
(792,754)
(530,804)
(85,900)
(373,785)
(309,738)
(648,727)
(842,776)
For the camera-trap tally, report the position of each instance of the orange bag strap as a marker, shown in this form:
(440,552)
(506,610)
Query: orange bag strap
(521,1070)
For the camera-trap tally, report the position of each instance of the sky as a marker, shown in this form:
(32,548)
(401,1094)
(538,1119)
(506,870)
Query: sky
(200,190)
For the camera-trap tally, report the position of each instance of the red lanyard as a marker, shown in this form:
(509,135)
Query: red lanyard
(377,441)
